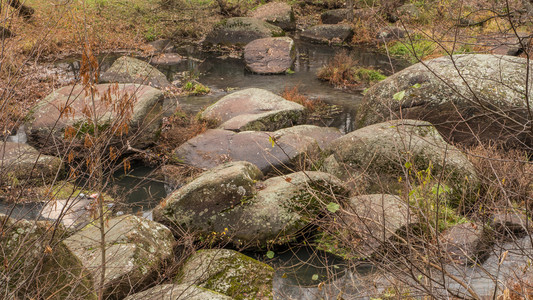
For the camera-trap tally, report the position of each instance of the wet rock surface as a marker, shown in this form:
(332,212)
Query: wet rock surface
(270,55)
(269,151)
(334,16)
(466,244)
(254,109)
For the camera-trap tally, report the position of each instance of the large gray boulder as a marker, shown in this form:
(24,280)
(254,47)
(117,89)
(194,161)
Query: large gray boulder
(328,33)
(131,70)
(270,55)
(276,13)
(228,272)
(48,119)
(21,164)
(135,248)
(254,109)
(469,98)
(254,214)
(211,193)
(387,152)
(241,30)
(178,292)
(334,16)
(37,264)
(280,150)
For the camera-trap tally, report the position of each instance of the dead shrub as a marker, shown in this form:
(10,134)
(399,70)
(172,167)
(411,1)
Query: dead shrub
(179,128)
(343,72)
(506,176)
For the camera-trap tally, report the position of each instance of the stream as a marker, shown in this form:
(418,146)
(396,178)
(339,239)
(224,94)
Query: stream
(299,272)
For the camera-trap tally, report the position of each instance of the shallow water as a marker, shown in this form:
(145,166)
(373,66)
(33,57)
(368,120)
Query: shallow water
(224,75)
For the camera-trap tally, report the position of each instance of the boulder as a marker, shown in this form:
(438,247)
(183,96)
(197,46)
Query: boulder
(38,265)
(276,13)
(369,223)
(391,33)
(269,151)
(135,248)
(211,193)
(270,55)
(271,212)
(254,109)
(131,70)
(511,223)
(386,152)
(162,46)
(240,31)
(374,220)
(228,272)
(466,244)
(328,33)
(21,164)
(46,123)
(478,97)
(334,16)
(167,59)
(178,292)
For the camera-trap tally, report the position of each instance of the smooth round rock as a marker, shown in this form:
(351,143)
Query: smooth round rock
(270,55)
(131,70)
(470,99)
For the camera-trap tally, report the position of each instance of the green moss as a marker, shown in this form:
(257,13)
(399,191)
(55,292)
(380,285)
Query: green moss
(412,50)
(369,75)
(195,88)
(84,127)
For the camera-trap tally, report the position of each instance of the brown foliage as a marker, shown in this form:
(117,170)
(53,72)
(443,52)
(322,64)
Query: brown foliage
(179,128)
(506,175)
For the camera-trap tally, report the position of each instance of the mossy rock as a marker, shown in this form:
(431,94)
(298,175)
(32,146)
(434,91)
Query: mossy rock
(254,109)
(22,164)
(37,264)
(178,292)
(135,249)
(228,272)
(469,98)
(241,30)
(46,124)
(229,203)
(131,70)
(386,152)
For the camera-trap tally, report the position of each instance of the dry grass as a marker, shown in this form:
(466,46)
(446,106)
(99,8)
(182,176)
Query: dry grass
(343,72)
(506,176)
(180,128)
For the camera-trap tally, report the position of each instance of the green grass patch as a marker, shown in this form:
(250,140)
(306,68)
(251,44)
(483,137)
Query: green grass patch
(412,50)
